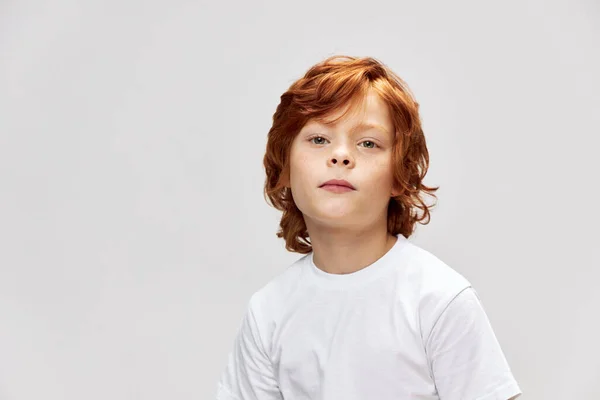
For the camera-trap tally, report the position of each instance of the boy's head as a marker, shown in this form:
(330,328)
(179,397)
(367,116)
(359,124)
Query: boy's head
(320,133)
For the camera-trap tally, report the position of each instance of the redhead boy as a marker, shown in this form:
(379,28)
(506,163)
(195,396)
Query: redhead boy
(364,314)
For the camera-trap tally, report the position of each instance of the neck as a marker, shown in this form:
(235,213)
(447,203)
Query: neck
(340,251)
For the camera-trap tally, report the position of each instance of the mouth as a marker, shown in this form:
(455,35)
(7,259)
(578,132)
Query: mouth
(337,185)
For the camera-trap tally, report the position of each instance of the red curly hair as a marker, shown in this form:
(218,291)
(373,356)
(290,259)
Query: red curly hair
(332,84)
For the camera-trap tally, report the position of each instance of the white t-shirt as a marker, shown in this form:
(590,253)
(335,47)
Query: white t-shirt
(407,326)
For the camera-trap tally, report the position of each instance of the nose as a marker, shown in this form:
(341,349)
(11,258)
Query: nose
(345,161)
(341,157)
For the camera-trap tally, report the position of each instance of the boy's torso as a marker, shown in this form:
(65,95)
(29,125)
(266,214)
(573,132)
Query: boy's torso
(363,341)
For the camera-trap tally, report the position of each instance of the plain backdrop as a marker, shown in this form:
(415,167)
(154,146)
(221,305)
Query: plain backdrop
(133,229)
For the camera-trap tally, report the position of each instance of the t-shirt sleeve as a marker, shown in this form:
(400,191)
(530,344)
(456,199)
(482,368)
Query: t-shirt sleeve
(465,357)
(249,373)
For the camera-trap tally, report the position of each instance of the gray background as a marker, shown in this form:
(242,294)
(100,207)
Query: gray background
(132,224)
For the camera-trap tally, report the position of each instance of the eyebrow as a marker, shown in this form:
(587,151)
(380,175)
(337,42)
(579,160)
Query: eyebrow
(362,126)
(366,126)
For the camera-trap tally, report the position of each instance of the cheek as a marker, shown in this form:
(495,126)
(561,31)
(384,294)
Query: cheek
(382,175)
(382,166)
(301,169)
(295,169)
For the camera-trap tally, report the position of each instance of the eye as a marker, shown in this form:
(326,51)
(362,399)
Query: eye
(320,140)
(371,144)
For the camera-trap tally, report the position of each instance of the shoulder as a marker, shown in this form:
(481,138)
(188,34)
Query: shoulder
(274,296)
(434,277)
(434,282)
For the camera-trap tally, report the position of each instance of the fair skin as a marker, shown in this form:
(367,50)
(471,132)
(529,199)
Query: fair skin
(348,230)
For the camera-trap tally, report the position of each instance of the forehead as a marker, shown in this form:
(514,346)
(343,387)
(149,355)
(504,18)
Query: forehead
(368,112)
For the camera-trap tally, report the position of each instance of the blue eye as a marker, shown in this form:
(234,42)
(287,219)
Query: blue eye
(317,137)
(370,147)
(322,140)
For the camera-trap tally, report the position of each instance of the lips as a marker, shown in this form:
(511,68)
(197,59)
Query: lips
(338,182)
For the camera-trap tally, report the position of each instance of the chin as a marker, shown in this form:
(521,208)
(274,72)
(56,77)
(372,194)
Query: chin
(334,215)
(330,210)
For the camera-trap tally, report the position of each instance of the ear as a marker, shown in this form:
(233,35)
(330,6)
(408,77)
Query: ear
(284,179)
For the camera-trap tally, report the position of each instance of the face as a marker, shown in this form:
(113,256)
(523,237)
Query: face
(352,151)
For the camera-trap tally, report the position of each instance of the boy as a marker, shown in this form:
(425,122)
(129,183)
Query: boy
(364,314)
